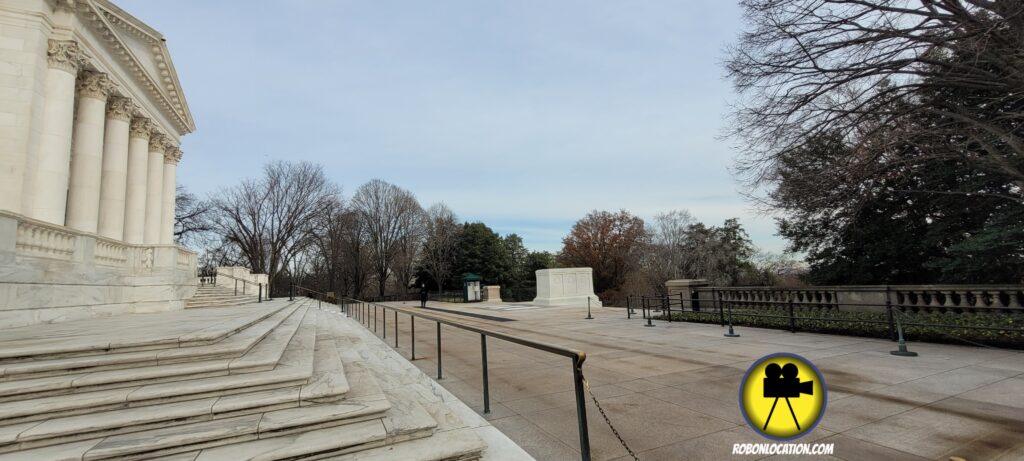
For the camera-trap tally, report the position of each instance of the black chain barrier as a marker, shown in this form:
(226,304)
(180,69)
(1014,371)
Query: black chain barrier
(586,385)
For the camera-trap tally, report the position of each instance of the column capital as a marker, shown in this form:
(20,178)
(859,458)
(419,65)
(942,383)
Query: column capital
(172,155)
(158,142)
(120,108)
(64,55)
(94,85)
(141,127)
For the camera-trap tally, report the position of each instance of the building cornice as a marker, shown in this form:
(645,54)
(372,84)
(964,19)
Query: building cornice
(164,89)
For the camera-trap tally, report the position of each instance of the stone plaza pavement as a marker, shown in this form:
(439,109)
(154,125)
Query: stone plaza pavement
(671,390)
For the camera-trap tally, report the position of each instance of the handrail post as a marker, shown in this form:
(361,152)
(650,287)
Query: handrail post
(581,408)
(375,317)
(261,294)
(483,359)
(668,307)
(647,311)
(396,330)
(412,341)
(236,287)
(589,317)
(888,313)
(439,375)
(792,320)
(291,292)
(717,296)
(629,309)
(384,318)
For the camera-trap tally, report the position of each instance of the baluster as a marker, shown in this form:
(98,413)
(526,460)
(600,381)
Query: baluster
(949,299)
(1014,300)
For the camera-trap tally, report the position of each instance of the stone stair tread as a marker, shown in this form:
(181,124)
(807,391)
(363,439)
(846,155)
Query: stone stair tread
(296,364)
(197,435)
(262,356)
(143,417)
(295,368)
(133,332)
(403,379)
(355,436)
(232,346)
(458,444)
(151,441)
(404,420)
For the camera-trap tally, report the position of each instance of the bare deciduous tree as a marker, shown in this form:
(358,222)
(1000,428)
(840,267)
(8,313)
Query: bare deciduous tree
(191,217)
(667,256)
(390,215)
(440,244)
(870,71)
(272,219)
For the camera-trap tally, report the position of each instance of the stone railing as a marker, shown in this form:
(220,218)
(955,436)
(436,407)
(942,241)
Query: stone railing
(33,238)
(186,258)
(111,253)
(51,273)
(41,239)
(928,298)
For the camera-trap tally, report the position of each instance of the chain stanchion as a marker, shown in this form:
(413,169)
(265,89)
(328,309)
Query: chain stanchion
(902,345)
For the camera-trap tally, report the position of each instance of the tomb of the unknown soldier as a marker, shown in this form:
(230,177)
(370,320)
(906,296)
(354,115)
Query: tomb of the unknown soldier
(205,255)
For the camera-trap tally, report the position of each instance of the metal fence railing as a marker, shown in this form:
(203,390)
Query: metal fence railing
(998,327)
(372,315)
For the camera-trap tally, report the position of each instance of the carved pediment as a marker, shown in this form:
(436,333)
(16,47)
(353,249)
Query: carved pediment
(143,52)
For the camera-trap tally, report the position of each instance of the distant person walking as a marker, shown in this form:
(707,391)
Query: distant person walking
(423,295)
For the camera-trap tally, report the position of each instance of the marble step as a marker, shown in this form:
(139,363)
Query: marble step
(328,385)
(222,296)
(234,345)
(397,427)
(173,440)
(454,445)
(401,380)
(294,368)
(128,333)
(263,356)
(404,421)
(229,303)
(364,406)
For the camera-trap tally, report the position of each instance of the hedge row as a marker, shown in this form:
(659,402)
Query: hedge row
(1007,330)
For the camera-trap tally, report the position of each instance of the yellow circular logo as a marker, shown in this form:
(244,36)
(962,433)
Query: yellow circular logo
(783,396)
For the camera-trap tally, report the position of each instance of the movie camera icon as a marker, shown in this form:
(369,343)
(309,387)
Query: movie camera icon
(782,383)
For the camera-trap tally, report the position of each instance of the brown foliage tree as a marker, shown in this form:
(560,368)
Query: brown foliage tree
(610,243)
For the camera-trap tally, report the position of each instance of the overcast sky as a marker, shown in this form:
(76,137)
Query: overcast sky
(522,114)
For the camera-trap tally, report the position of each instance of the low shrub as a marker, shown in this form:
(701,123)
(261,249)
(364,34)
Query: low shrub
(990,328)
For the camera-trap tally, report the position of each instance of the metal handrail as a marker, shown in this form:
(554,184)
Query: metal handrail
(205,279)
(360,311)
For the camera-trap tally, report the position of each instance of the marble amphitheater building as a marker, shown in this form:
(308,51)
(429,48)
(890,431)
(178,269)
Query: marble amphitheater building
(109,347)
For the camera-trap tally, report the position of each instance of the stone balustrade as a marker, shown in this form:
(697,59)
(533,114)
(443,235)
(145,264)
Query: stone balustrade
(927,298)
(52,273)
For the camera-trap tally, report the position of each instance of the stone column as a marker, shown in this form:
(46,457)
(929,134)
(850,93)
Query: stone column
(171,159)
(138,169)
(115,168)
(154,188)
(83,208)
(44,194)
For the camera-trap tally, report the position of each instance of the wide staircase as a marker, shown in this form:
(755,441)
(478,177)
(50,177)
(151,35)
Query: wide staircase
(218,296)
(270,381)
